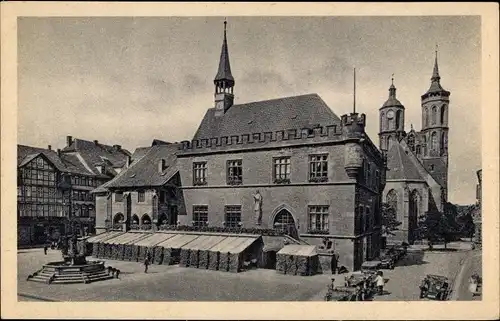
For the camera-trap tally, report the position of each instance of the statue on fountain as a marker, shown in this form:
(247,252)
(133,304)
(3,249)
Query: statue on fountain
(73,250)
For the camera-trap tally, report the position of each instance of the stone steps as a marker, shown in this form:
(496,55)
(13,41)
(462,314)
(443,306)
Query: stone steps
(69,275)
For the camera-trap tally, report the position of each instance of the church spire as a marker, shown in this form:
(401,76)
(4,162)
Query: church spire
(224,71)
(392,89)
(224,81)
(435,72)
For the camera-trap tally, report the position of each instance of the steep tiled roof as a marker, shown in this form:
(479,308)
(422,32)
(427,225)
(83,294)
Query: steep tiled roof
(267,116)
(399,165)
(26,153)
(94,154)
(139,152)
(437,174)
(145,171)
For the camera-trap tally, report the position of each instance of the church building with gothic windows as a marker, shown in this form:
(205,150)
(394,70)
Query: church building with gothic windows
(417,162)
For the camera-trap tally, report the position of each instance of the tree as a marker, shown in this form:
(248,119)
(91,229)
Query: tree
(389,220)
(436,226)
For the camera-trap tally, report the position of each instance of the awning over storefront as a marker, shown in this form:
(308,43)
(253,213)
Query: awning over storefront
(178,241)
(104,236)
(154,239)
(298,250)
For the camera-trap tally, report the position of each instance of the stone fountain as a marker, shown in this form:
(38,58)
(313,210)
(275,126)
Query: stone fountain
(74,269)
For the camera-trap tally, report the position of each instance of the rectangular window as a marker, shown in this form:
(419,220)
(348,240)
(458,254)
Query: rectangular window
(318,218)
(200,215)
(118,197)
(77,180)
(367,220)
(91,181)
(368,174)
(318,168)
(141,196)
(84,181)
(234,172)
(51,177)
(281,170)
(233,215)
(200,173)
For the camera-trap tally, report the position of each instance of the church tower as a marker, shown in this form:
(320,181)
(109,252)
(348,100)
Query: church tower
(391,115)
(434,134)
(224,81)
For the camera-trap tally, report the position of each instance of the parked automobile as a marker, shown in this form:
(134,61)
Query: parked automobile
(434,287)
(370,266)
(387,261)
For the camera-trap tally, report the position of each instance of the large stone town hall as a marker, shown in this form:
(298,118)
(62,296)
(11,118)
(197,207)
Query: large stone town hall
(288,163)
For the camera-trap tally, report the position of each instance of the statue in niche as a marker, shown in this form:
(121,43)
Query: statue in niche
(258,207)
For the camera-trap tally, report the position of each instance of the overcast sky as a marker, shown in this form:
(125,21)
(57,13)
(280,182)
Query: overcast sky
(128,80)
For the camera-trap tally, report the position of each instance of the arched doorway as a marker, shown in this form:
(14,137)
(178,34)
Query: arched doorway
(135,219)
(284,222)
(414,212)
(145,219)
(119,218)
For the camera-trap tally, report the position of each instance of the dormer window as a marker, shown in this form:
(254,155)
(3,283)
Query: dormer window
(162,165)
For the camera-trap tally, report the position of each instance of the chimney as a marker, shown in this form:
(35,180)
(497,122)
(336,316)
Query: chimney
(58,152)
(96,142)
(129,160)
(117,147)
(69,140)
(50,147)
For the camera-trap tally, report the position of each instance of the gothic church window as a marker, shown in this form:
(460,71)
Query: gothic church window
(434,115)
(398,120)
(426,117)
(442,144)
(382,117)
(392,200)
(434,141)
(424,143)
(443,112)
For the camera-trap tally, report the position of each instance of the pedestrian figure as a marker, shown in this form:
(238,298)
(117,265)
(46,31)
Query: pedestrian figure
(379,280)
(45,248)
(118,274)
(110,270)
(146,264)
(334,265)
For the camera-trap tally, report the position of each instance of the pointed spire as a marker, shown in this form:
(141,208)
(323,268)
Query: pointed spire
(435,73)
(392,89)
(224,71)
(354,93)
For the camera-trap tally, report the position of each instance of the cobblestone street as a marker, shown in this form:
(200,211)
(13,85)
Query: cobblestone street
(174,283)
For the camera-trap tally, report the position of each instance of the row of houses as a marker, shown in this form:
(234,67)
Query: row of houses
(54,187)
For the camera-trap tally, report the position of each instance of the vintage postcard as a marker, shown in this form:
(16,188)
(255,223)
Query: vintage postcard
(253,161)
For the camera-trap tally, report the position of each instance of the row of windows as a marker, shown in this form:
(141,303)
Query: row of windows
(82,196)
(281,170)
(38,174)
(34,210)
(85,181)
(141,196)
(434,115)
(38,191)
(371,177)
(318,216)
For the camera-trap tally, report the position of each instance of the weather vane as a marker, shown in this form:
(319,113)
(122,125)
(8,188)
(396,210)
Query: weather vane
(392,79)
